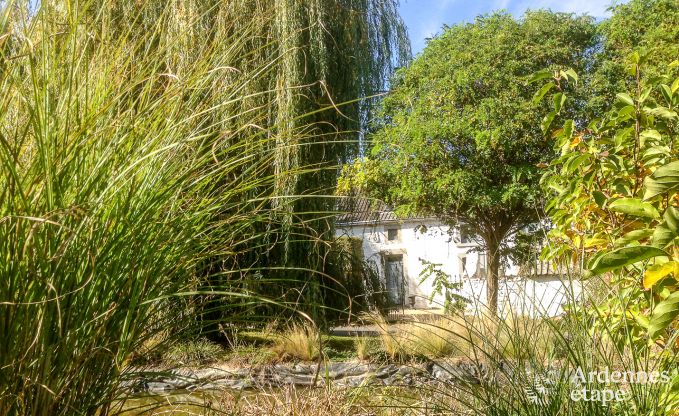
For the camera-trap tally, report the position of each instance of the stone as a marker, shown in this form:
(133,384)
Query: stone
(355,381)
(343,374)
(348,369)
(386,371)
(158,387)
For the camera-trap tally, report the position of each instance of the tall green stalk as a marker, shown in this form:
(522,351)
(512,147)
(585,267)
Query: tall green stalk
(111,142)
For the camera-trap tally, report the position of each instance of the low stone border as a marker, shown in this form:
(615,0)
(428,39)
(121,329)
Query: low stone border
(341,374)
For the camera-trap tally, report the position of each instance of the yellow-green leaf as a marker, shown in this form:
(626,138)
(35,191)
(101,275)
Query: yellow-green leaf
(547,121)
(657,272)
(570,73)
(540,75)
(668,230)
(675,85)
(663,315)
(664,179)
(594,242)
(635,207)
(634,235)
(625,256)
(539,94)
(558,101)
(625,98)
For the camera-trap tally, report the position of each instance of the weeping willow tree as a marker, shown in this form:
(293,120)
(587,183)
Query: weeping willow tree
(340,50)
(323,59)
(312,67)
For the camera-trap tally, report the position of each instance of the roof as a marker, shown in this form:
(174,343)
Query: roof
(364,210)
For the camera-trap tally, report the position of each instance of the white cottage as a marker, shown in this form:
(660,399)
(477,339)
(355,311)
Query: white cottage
(398,249)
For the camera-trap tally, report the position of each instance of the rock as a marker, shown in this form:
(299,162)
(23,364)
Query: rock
(301,368)
(158,387)
(412,370)
(461,371)
(232,384)
(343,374)
(355,381)
(304,380)
(386,371)
(341,370)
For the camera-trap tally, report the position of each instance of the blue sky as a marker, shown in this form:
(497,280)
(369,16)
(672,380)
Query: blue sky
(425,18)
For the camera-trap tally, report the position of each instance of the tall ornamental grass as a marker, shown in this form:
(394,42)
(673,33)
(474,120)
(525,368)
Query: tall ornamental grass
(542,365)
(120,176)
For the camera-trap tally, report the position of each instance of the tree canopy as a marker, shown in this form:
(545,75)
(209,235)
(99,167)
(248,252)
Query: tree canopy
(459,136)
(647,26)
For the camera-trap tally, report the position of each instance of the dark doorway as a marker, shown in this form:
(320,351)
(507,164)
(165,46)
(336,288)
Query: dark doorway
(395,280)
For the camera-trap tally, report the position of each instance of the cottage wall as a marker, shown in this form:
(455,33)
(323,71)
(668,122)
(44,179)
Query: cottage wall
(433,242)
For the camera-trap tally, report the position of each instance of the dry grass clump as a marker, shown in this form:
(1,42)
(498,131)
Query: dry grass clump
(249,356)
(466,336)
(362,348)
(432,338)
(379,401)
(389,342)
(514,336)
(301,342)
(292,401)
(438,338)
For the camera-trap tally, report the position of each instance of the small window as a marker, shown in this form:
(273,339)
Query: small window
(392,234)
(465,238)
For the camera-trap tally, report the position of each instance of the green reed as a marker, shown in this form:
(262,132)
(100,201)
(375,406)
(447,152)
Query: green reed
(120,174)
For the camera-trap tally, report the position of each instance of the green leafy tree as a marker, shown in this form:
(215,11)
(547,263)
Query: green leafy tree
(651,25)
(458,136)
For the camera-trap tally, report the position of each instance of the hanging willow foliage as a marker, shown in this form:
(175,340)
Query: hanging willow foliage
(320,56)
(310,67)
(338,50)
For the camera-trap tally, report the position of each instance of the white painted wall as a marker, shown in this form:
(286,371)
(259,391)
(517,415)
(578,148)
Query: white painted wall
(534,296)
(525,296)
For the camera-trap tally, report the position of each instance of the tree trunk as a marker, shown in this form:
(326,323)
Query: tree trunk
(492,274)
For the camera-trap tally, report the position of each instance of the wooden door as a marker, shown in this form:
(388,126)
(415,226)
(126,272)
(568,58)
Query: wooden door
(394,280)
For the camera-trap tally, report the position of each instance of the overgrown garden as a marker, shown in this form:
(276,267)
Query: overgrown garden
(171,173)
